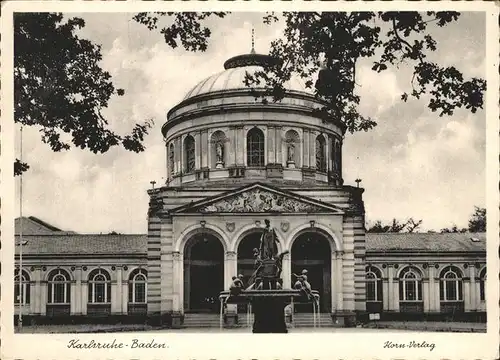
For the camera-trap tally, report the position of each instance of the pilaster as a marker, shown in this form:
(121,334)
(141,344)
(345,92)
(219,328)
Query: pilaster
(197,150)
(279,146)
(305,160)
(230,267)
(312,149)
(78,285)
(474,289)
(390,287)
(334,281)
(177,272)
(240,145)
(340,280)
(287,271)
(205,149)
(271,153)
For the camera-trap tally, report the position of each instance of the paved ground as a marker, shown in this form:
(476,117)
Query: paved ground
(373,327)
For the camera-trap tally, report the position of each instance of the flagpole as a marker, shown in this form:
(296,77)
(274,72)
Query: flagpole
(20,274)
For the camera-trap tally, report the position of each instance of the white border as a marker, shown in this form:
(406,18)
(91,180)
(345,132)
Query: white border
(237,345)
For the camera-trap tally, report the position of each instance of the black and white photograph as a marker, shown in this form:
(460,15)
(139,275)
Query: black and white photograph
(238,170)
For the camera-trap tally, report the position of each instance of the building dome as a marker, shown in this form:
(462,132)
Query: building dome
(221,133)
(233,76)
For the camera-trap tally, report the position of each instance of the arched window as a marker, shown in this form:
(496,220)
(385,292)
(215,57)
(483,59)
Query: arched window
(450,288)
(218,149)
(59,287)
(320,153)
(22,285)
(373,284)
(255,147)
(292,142)
(171,161)
(99,287)
(189,153)
(482,285)
(410,285)
(137,286)
(338,156)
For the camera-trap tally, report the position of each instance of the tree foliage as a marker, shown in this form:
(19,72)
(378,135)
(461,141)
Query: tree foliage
(61,88)
(396,226)
(324,48)
(477,222)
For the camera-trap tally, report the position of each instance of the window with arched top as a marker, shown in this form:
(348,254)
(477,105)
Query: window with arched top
(171,159)
(320,153)
(218,149)
(450,288)
(338,156)
(189,154)
(482,285)
(410,285)
(255,148)
(22,286)
(99,287)
(137,286)
(59,285)
(373,280)
(292,142)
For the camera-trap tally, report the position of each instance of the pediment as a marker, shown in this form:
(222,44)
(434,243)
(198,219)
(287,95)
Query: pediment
(259,198)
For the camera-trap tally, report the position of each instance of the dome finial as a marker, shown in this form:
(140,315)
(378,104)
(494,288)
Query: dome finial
(253,41)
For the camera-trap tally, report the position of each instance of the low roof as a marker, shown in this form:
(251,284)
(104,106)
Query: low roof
(137,244)
(83,244)
(431,242)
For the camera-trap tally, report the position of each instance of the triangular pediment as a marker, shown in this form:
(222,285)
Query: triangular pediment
(258,198)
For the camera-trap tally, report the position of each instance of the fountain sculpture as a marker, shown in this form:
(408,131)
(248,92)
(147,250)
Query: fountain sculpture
(264,291)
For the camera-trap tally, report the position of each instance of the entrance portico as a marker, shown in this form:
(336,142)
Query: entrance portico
(212,247)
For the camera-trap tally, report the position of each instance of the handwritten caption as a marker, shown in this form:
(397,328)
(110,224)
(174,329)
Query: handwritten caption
(409,345)
(133,344)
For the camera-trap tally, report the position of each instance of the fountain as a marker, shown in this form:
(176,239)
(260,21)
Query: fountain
(265,294)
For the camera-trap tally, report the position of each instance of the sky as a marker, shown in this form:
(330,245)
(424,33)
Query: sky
(413,164)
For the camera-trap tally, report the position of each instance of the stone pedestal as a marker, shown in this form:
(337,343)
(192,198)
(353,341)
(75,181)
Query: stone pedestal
(290,164)
(269,315)
(219,165)
(231,320)
(176,320)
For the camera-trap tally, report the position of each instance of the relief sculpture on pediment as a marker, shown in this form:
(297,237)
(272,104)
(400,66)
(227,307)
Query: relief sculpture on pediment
(257,200)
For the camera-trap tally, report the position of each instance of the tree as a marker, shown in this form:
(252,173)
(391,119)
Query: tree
(477,222)
(453,229)
(396,226)
(61,89)
(330,44)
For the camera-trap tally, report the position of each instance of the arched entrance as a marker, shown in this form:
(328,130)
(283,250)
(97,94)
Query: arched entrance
(203,273)
(246,259)
(312,251)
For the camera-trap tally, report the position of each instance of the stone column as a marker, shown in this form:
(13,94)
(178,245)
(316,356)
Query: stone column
(385,294)
(287,272)
(426,294)
(333,281)
(124,286)
(197,150)
(395,294)
(230,270)
(240,146)
(38,291)
(118,292)
(72,296)
(271,141)
(474,289)
(177,277)
(205,149)
(312,149)
(78,298)
(305,146)
(279,146)
(43,298)
(178,155)
(431,289)
(231,146)
(390,287)
(340,280)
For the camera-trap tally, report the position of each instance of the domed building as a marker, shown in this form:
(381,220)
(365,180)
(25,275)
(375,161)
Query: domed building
(234,161)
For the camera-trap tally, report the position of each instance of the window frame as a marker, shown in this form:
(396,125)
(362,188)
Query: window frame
(444,281)
(410,275)
(55,286)
(99,285)
(189,154)
(133,283)
(26,288)
(256,148)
